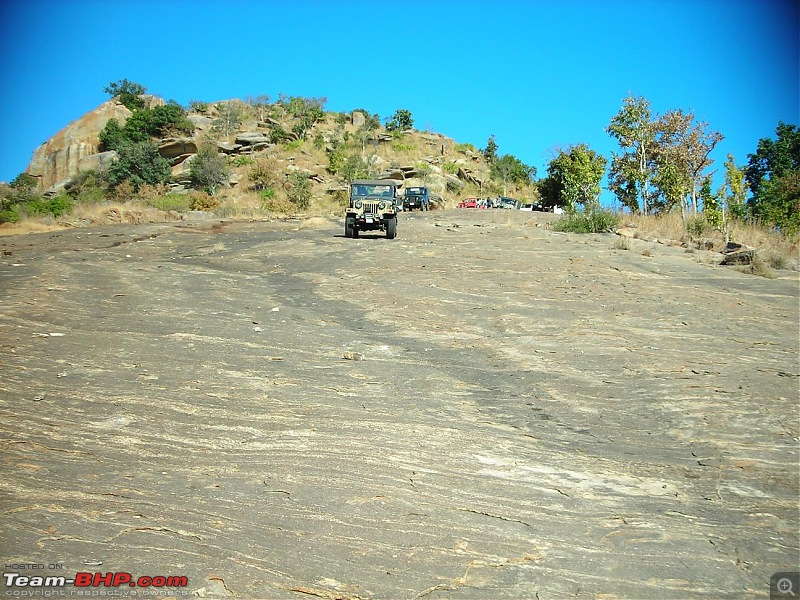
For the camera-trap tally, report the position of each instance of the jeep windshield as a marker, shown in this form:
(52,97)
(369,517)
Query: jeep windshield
(371,191)
(415,192)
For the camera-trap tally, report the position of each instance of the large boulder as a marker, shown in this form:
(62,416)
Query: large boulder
(59,158)
(395,173)
(229,148)
(174,147)
(201,122)
(182,168)
(250,138)
(95,162)
(358,118)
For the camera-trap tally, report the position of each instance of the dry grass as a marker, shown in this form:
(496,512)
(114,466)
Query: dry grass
(622,243)
(776,251)
(28,226)
(663,227)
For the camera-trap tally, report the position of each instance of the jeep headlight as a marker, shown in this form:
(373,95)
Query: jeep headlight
(381,205)
(357,204)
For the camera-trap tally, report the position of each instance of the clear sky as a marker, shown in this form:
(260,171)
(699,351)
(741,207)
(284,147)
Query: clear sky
(537,74)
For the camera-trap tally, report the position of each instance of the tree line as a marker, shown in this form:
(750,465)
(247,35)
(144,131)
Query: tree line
(663,165)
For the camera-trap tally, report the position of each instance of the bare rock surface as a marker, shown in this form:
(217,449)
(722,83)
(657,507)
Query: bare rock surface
(531,414)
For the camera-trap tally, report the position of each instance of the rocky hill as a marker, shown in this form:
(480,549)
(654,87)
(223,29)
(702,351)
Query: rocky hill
(450,169)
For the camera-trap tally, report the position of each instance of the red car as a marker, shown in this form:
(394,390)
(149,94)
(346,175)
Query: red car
(471,202)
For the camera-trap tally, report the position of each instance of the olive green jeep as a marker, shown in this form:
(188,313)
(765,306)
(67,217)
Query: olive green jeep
(372,206)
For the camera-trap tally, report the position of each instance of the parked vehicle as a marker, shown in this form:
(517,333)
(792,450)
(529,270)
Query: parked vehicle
(471,202)
(417,197)
(512,203)
(372,206)
(532,206)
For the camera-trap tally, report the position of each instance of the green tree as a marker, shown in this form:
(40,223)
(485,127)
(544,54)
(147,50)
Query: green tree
(354,167)
(128,93)
(773,174)
(510,169)
(672,182)
(209,169)
(735,189)
(632,168)
(169,119)
(577,171)
(712,206)
(550,189)
(23,183)
(400,121)
(145,124)
(490,152)
(139,163)
(112,135)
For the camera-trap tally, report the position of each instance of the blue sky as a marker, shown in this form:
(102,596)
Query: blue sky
(536,74)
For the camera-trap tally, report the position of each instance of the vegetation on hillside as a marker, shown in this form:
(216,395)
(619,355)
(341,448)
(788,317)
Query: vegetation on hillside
(662,165)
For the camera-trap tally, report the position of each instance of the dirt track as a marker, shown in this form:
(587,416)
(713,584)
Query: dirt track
(533,415)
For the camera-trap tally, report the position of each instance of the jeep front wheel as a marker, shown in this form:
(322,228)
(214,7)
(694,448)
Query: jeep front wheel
(350,230)
(391,229)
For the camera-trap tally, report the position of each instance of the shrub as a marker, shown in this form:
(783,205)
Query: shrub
(293,145)
(9,215)
(596,221)
(60,205)
(169,119)
(89,187)
(112,135)
(277,204)
(697,226)
(399,146)
(336,159)
(23,182)
(148,192)
(300,190)
(198,106)
(277,134)
(209,169)
(202,201)
(354,167)
(243,161)
(139,163)
(176,202)
(264,173)
(451,168)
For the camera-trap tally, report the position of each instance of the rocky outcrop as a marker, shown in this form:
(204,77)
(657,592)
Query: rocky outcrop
(175,147)
(61,157)
(229,148)
(182,166)
(250,138)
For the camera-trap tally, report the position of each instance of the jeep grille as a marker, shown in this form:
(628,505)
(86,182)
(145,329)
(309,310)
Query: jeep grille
(371,208)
